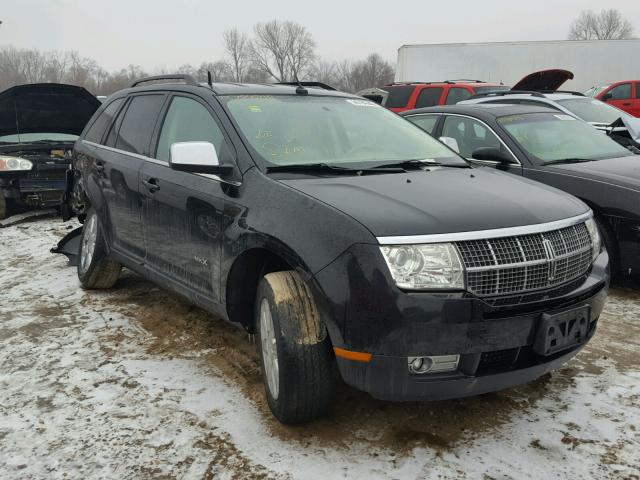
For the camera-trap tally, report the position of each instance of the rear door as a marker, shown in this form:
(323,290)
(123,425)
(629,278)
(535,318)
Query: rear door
(621,96)
(127,145)
(457,94)
(183,212)
(429,97)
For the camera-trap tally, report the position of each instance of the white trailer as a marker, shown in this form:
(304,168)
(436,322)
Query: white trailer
(593,62)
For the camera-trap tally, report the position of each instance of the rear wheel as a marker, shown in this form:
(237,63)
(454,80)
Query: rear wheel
(95,268)
(297,360)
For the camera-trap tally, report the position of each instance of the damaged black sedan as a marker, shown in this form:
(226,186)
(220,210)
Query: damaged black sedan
(39,124)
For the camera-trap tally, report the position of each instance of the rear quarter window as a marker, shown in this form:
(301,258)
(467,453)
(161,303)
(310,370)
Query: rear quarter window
(98,127)
(398,96)
(137,125)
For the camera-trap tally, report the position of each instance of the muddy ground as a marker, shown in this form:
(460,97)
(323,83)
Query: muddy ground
(136,383)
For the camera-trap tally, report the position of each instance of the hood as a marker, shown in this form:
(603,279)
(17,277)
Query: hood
(544,80)
(633,127)
(46,108)
(444,200)
(622,171)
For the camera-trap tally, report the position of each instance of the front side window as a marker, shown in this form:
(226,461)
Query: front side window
(457,94)
(96,131)
(187,120)
(470,134)
(425,122)
(294,129)
(591,110)
(553,137)
(637,89)
(429,97)
(134,134)
(621,92)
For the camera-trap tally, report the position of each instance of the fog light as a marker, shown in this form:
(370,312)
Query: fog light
(434,364)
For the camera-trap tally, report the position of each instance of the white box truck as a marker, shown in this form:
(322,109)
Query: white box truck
(593,62)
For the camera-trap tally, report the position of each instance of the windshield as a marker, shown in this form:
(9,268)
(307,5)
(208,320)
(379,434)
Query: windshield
(595,91)
(37,137)
(591,110)
(549,137)
(294,130)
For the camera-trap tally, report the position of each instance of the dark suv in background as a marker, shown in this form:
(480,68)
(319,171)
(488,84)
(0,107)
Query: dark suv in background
(342,235)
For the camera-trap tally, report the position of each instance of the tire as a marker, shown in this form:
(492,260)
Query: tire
(95,268)
(610,244)
(4,208)
(299,384)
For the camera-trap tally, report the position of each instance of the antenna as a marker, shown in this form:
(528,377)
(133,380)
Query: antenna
(300,90)
(209,79)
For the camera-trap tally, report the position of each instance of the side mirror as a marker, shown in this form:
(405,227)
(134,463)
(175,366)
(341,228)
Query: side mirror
(197,157)
(451,142)
(606,96)
(491,154)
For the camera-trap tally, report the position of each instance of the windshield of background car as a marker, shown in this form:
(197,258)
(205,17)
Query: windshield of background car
(595,91)
(288,129)
(37,137)
(591,110)
(549,137)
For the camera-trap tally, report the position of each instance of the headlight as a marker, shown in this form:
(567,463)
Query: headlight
(11,164)
(594,233)
(423,267)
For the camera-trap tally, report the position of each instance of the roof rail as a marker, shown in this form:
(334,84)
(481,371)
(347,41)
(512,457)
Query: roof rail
(188,79)
(465,80)
(502,93)
(566,92)
(321,85)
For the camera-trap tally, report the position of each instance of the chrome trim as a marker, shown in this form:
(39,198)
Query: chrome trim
(158,162)
(484,234)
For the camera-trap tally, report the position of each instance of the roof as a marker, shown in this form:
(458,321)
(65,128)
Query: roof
(483,110)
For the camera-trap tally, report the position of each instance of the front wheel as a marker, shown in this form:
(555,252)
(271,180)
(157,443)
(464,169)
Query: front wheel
(297,360)
(96,269)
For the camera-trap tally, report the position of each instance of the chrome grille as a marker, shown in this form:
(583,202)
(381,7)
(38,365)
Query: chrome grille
(519,264)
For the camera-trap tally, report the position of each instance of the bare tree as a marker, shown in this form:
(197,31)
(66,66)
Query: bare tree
(283,50)
(606,25)
(220,70)
(238,48)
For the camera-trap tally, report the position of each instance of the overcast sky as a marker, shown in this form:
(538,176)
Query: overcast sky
(160,33)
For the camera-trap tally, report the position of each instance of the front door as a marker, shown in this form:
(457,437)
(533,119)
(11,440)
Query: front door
(621,96)
(183,212)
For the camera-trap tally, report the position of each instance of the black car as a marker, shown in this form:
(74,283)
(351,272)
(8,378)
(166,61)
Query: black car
(39,124)
(553,148)
(340,234)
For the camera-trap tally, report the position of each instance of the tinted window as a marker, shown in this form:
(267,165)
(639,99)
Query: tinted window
(591,110)
(638,90)
(96,131)
(398,96)
(429,97)
(457,94)
(470,134)
(138,123)
(621,92)
(186,121)
(425,122)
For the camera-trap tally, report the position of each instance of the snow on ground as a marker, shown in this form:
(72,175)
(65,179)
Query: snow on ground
(136,383)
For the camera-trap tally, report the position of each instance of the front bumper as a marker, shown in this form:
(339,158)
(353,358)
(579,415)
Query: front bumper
(495,343)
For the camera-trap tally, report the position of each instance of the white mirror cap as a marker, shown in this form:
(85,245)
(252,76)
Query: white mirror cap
(194,153)
(450,142)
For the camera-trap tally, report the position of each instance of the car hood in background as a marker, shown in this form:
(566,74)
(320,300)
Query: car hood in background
(621,171)
(443,200)
(544,80)
(46,108)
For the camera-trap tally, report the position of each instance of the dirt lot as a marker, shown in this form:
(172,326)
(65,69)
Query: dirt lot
(136,383)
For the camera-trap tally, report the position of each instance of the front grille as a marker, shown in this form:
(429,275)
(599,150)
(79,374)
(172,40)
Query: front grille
(526,263)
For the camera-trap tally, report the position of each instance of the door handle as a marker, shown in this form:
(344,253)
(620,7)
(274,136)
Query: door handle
(151,184)
(626,104)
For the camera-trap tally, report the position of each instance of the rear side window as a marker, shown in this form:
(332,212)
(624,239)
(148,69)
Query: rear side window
(96,131)
(429,97)
(425,122)
(138,122)
(637,89)
(398,96)
(621,92)
(457,94)
(187,121)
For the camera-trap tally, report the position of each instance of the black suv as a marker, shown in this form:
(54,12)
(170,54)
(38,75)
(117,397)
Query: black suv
(342,235)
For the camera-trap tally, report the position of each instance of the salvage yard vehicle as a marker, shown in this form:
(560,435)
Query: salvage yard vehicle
(38,125)
(553,148)
(624,95)
(341,235)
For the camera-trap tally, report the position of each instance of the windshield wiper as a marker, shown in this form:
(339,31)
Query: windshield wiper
(326,168)
(407,164)
(569,160)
